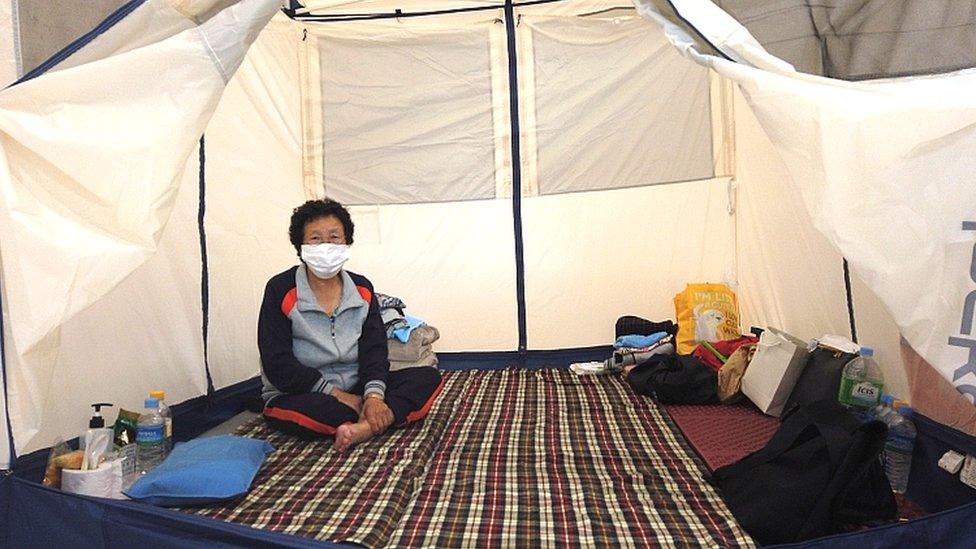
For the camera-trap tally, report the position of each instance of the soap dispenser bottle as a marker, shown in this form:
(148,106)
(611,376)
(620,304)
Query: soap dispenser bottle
(96,422)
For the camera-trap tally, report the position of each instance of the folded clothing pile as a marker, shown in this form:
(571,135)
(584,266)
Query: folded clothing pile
(417,351)
(409,339)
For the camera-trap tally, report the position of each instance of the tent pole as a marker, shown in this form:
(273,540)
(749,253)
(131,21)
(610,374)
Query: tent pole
(400,14)
(204,271)
(850,300)
(513,102)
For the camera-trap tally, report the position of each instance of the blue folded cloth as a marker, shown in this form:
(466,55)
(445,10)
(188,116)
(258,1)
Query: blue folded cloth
(403,334)
(639,341)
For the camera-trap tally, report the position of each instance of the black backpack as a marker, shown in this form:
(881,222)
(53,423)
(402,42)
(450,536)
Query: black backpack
(819,473)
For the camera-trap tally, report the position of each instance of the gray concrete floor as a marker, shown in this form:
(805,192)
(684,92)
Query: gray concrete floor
(47,26)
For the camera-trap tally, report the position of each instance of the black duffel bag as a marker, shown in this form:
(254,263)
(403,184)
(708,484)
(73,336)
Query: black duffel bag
(675,379)
(819,473)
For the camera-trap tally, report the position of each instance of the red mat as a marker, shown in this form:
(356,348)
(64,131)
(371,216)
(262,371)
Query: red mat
(723,433)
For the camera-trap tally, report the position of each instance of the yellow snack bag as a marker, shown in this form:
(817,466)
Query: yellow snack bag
(705,312)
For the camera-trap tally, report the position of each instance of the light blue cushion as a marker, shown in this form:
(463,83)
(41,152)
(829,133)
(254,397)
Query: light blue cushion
(202,471)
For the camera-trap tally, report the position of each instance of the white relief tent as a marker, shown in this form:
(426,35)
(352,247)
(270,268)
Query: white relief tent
(520,174)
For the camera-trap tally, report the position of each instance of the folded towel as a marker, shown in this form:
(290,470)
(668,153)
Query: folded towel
(428,359)
(417,345)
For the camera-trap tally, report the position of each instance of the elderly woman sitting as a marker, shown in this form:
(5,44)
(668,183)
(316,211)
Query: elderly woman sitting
(323,346)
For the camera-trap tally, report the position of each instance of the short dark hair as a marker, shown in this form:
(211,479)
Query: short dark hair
(316,209)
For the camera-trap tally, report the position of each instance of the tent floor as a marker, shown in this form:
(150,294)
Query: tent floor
(502,456)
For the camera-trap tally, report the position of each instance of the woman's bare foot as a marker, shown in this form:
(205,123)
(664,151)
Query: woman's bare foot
(350,434)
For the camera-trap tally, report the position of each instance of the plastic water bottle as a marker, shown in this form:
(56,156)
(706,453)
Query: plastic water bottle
(150,437)
(861,381)
(899,448)
(881,412)
(167,419)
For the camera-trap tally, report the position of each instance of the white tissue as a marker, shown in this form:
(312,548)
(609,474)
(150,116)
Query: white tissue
(104,482)
(952,461)
(968,473)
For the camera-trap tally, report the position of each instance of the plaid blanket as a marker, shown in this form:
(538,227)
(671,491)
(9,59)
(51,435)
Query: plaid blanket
(505,457)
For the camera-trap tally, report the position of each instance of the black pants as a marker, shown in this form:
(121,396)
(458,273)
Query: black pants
(409,394)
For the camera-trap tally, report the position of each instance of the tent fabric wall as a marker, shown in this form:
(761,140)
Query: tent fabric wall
(586,112)
(73,223)
(251,186)
(862,156)
(790,276)
(451,263)
(465,150)
(6,446)
(141,336)
(593,257)
(406,111)
(10,59)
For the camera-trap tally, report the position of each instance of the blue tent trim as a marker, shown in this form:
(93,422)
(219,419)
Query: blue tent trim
(929,485)
(530,359)
(955,528)
(37,516)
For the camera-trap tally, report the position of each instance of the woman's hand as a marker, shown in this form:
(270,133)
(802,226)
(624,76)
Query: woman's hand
(377,414)
(353,401)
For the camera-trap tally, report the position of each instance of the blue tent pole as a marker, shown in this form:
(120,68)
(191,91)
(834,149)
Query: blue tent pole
(513,105)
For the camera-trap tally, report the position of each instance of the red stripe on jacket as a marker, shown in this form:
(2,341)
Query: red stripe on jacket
(365,293)
(289,301)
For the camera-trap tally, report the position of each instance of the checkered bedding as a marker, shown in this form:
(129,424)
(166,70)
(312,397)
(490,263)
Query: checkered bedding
(505,457)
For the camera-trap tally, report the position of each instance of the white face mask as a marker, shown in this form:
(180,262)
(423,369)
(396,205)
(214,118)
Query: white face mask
(326,259)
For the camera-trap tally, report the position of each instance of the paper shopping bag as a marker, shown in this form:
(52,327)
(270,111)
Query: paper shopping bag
(774,370)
